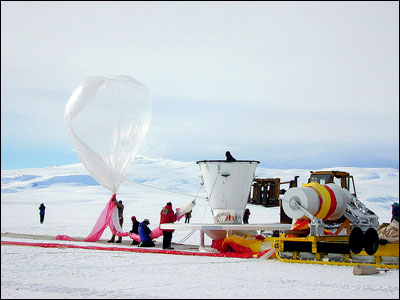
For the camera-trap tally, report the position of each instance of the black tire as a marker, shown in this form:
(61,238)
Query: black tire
(356,240)
(371,241)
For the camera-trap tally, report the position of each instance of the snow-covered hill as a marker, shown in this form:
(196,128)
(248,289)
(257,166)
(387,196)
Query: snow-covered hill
(378,188)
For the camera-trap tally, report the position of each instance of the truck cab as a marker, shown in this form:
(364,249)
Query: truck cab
(343,179)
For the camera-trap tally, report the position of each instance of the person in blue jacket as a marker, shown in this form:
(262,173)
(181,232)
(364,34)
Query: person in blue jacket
(145,234)
(42,209)
(395,211)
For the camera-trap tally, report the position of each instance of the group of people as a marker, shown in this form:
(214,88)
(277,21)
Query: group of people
(143,230)
(167,215)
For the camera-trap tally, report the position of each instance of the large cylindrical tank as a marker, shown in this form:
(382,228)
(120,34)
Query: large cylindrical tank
(325,201)
(341,200)
(228,187)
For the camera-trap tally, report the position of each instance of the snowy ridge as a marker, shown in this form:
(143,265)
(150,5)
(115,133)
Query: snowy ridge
(379,185)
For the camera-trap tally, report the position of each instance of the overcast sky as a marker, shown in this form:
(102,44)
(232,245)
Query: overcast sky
(291,84)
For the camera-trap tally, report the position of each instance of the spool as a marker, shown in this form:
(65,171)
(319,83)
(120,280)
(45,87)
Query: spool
(327,202)
(341,202)
(359,240)
(371,241)
(306,197)
(356,240)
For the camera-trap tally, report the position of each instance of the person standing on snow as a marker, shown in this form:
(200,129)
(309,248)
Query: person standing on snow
(188,215)
(145,234)
(167,215)
(120,207)
(42,209)
(246,216)
(395,212)
(135,229)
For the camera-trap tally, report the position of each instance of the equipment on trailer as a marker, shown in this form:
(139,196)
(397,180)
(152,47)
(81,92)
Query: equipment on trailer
(331,226)
(325,222)
(358,214)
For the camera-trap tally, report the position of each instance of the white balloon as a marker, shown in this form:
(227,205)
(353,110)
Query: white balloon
(107,119)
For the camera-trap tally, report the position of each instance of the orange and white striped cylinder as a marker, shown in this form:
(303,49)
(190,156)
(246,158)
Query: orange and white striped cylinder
(326,202)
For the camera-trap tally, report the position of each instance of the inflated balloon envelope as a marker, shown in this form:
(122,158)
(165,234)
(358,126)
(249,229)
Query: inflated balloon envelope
(107,119)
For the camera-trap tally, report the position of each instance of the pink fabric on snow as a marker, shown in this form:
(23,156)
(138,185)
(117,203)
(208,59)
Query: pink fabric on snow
(105,220)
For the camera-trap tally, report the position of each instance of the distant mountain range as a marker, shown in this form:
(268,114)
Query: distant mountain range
(376,186)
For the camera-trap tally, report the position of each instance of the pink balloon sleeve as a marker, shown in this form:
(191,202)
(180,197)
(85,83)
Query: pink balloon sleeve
(105,219)
(134,236)
(102,222)
(156,233)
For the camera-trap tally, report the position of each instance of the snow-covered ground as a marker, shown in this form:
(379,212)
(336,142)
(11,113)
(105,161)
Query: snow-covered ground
(74,201)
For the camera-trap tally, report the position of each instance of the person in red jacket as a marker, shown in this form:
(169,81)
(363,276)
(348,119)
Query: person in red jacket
(167,215)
